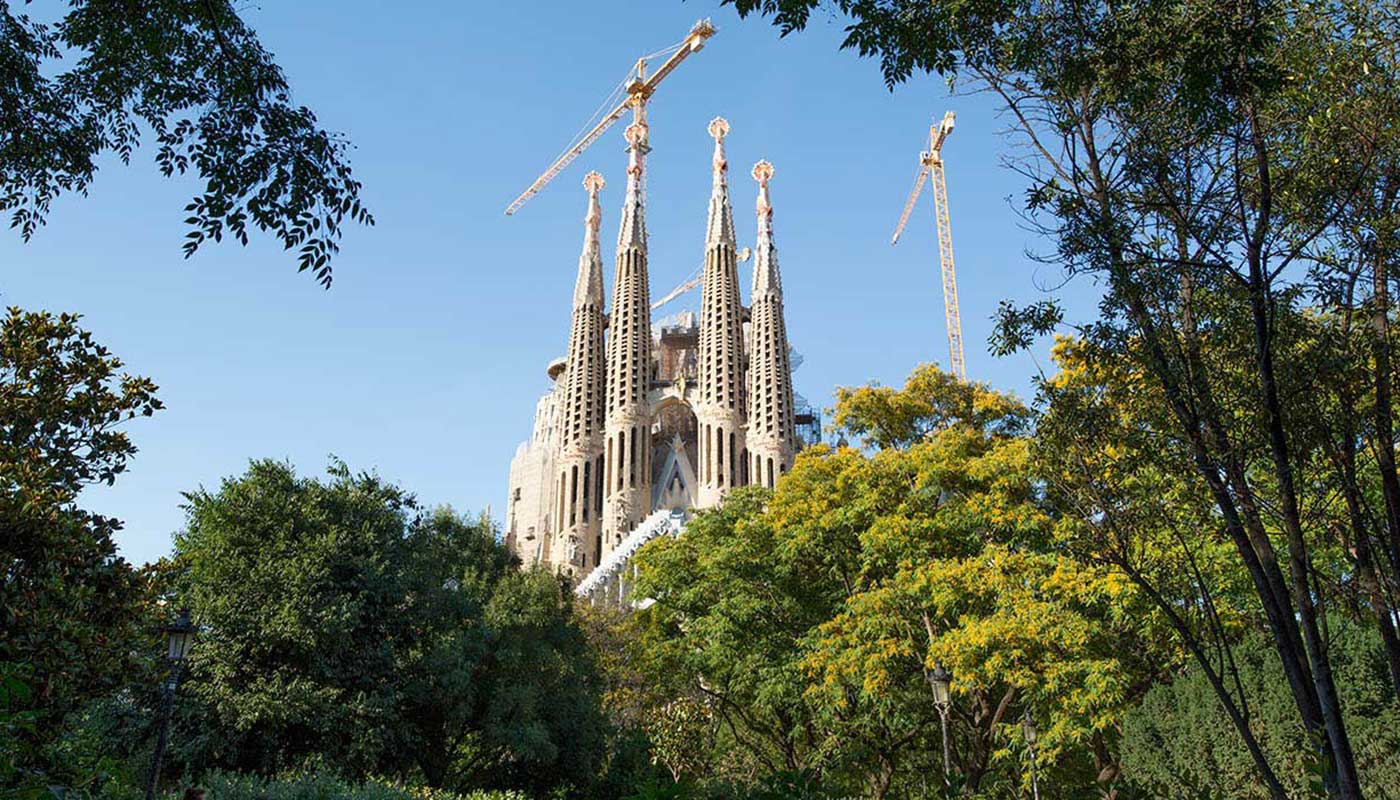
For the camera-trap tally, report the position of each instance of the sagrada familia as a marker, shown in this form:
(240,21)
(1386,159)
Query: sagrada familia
(640,420)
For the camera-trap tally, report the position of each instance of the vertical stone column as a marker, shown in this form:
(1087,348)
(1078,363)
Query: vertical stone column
(720,411)
(627,437)
(581,420)
(772,431)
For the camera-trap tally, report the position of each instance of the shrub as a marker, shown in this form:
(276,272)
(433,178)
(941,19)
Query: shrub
(1178,743)
(325,786)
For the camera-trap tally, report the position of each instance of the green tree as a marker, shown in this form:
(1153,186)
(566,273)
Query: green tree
(1210,164)
(732,607)
(1178,743)
(811,617)
(72,612)
(345,625)
(538,711)
(194,77)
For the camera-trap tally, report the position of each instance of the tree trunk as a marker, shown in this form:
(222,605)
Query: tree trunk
(1384,424)
(1251,541)
(1106,768)
(1345,456)
(1256,753)
(1348,784)
(1242,521)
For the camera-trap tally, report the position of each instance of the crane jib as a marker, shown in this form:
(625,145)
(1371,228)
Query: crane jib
(639,91)
(568,158)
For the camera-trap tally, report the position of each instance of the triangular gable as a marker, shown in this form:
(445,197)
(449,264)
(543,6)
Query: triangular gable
(675,484)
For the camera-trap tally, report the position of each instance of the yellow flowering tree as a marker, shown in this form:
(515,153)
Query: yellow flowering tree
(962,568)
(818,610)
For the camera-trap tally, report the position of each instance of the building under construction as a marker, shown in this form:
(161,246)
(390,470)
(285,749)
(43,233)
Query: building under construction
(645,417)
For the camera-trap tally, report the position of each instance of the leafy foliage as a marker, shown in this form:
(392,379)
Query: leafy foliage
(809,618)
(1178,743)
(930,401)
(1228,175)
(323,785)
(193,75)
(346,624)
(64,400)
(72,612)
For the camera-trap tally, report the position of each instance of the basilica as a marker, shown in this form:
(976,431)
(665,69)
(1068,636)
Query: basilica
(643,417)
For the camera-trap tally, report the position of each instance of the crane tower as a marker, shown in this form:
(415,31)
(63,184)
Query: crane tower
(931,162)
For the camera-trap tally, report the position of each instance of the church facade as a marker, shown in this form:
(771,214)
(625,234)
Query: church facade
(642,418)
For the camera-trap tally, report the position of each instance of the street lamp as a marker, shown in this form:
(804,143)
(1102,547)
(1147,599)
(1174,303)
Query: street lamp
(179,636)
(939,680)
(1028,727)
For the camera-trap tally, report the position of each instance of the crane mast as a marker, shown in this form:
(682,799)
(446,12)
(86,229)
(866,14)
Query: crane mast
(639,88)
(931,165)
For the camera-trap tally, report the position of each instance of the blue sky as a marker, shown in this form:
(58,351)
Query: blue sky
(425,359)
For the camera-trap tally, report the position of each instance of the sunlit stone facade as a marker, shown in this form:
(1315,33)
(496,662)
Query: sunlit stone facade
(647,418)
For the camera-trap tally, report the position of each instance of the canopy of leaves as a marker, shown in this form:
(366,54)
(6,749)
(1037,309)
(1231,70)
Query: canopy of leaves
(809,618)
(71,610)
(1178,742)
(192,76)
(1228,174)
(341,622)
(313,785)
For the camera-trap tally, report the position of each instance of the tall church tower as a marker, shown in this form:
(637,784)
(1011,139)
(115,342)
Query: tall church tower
(720,410)
(580,463)
(772,437)
(627,452)
(635,432)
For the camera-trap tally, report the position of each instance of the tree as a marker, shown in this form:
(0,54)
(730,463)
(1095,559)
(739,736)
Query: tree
(732,608)
(1178,743)
(1131,505)
(961,568)
(540,720)
(195,77)
(346,625)
(71,610)
(1186,155)
(811,616)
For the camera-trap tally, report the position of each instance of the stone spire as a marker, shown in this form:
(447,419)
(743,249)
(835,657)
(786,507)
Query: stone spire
(771,432)
(627,448)
(589,286)
(633,232)
(719,225)
(720,410)
(765,271)
(578,492)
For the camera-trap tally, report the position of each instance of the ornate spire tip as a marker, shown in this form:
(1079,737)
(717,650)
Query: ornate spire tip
(719,128)
(594,182)
(763,172)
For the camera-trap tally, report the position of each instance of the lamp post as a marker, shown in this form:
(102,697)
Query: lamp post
(938,680)
(1028,727)
(178,638)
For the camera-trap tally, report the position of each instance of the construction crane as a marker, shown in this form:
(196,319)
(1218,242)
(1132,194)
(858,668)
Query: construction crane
(694,281)
(632,93)
(931,161)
